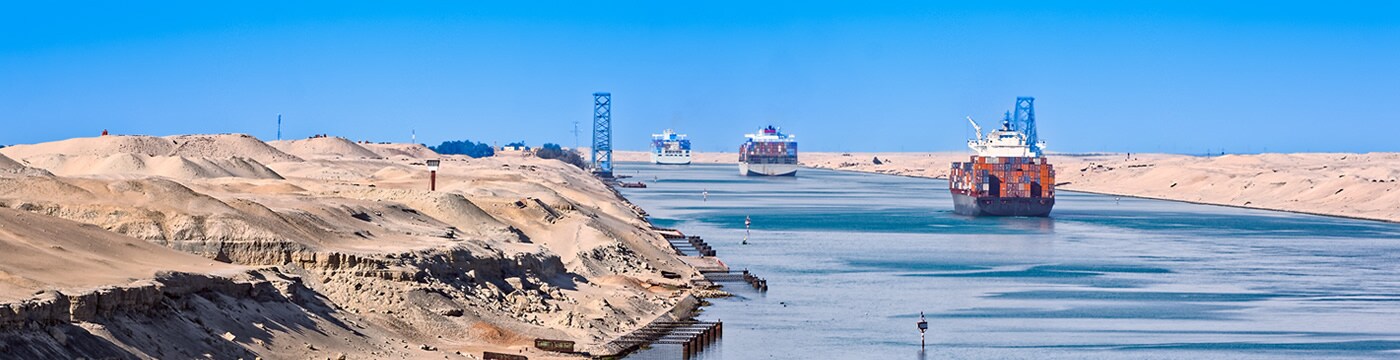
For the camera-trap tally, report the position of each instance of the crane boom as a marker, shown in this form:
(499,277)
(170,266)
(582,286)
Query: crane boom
(976,128)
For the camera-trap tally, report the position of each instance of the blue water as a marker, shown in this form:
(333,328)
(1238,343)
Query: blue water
(852,259)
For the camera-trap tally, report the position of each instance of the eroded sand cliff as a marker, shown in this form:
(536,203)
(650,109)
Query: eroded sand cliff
(224,246)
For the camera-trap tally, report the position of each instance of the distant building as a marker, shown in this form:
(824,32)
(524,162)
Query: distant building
(516,148)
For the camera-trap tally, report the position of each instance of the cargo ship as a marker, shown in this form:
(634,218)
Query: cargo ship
(1008,176)
(768,152)
(670,148)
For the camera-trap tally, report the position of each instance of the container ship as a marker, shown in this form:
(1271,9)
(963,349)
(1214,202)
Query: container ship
(768,152)
(670,148)
(1008,176)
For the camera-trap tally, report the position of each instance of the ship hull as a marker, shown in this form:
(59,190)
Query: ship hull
(665,159)
(1001,206)
(748,169)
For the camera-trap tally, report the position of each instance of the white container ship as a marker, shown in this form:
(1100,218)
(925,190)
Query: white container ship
(670,148)
(768,152)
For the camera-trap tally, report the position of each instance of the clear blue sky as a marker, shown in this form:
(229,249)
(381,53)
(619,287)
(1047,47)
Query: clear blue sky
(1170,76)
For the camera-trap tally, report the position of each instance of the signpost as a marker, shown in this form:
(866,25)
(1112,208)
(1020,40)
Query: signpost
(432,174)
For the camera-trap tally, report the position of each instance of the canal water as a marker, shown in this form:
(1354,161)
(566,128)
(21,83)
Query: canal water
(853,259)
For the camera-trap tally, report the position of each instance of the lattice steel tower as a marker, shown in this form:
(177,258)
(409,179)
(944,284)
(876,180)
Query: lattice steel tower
(602,133)
(1025,121)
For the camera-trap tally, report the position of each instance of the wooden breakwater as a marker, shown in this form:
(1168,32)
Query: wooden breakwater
(681,329)
(716,275)
(686,245)
(691,335)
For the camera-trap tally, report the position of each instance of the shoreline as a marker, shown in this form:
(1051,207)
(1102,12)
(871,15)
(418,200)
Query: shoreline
(1349,217)
(1388,221)
(1243,172)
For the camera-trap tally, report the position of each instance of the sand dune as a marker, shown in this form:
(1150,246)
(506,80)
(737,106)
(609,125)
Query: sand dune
(188,146)
(1354,185)
(184,156)
(325,148)
(509,249)
(7,164)
(412,151)
(12,167)
(130,164)
(227,146)
(95,146)
(48,253)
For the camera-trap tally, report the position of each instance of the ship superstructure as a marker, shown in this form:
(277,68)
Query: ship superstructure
(670,148)
(1007,176)
(768,152)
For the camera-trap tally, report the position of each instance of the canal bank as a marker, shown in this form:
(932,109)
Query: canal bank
(853,258)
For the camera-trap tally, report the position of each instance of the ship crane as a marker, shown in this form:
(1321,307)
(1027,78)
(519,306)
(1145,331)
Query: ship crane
(976,128)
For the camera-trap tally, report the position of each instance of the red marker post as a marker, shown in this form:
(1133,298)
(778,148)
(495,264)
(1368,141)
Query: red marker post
(432,174)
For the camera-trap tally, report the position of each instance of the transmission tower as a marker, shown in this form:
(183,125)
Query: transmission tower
(1025,121)
(602,134)
(575,135)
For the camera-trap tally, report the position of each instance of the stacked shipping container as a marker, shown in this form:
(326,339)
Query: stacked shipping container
(1003,177)
(757,152)
(670,145)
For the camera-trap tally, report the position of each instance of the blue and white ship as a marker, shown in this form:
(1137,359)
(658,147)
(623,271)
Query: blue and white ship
(670,148)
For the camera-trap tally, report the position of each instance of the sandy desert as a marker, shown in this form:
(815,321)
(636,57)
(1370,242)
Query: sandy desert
(225,246)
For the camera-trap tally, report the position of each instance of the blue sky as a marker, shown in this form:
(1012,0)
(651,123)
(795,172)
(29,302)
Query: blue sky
(1168,76)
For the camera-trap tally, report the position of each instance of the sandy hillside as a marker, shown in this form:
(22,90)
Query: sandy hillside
(184,157)
(11,167)
(412,151)
(45,253)
(507,250)
(227,146)
(1354,185)
(330,147)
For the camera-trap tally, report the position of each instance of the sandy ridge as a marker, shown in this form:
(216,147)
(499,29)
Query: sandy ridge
(509,249)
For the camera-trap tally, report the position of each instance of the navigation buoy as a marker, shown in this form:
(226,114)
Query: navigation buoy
(923,326)
(747,222)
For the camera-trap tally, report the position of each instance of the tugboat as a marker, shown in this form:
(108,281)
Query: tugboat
(768,152)
(1008,175)
(670,148)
